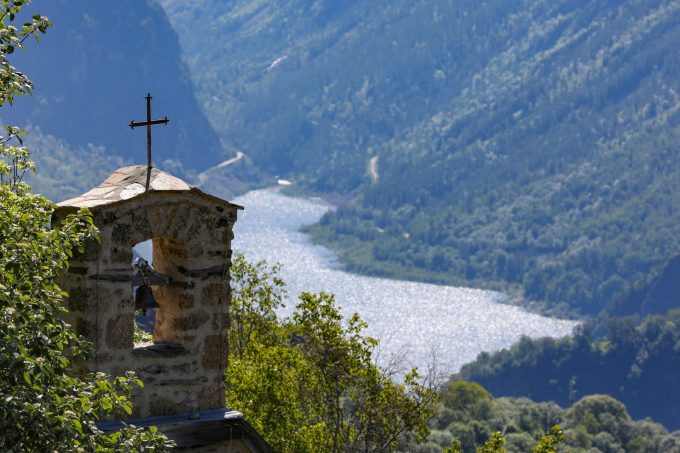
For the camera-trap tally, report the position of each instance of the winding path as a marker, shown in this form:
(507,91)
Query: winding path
(203,176)
(373,169)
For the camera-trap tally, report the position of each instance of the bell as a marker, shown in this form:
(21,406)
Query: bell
(144,299)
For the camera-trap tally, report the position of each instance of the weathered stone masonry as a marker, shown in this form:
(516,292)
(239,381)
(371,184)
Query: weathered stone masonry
(183,370)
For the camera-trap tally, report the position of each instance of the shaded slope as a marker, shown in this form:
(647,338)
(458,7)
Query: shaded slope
(92,72)
(637,364)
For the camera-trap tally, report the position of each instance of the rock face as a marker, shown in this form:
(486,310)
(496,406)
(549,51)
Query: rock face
(183,369)
(91,74)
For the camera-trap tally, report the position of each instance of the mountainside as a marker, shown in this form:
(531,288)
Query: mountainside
(533,142)
(64,171)
(637,364)
(594,424)
(91,74)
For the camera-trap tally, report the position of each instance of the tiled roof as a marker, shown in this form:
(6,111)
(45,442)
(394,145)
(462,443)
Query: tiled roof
(129,182)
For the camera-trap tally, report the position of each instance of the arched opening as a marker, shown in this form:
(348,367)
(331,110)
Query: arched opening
(159,292)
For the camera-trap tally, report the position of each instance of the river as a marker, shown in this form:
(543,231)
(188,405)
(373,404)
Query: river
(451,324)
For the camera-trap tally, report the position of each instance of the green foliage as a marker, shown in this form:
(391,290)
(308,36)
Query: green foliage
(494,444)
(46,403)
(14,82)
(461,395)
(519,425)
(140,336)
(15,159)
(308,382)
(638,360)
(59,179)
(550,441)
(455,447)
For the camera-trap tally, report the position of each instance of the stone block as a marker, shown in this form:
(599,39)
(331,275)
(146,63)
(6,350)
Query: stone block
(219,321)
(154,369)
(214,294)
(119,332)
(185,337)
(194,382)
(102,358)
(204,273)
(190,322)
(121,235)
(211,397)
(86,329)
(215,351)
(227,236)
(195,252)
(121,254)
(160,350)
(184,368)
(104,217)
(163,406)
(141,226)
(78,298)
(125,301)
(184,300)
(218,253)
(166,248)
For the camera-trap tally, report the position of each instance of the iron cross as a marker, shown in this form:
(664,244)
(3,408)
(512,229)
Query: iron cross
(148,123)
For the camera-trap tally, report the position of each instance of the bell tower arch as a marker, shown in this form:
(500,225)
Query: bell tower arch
(191,231)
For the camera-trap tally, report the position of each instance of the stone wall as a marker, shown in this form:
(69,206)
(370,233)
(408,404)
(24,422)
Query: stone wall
(183,370)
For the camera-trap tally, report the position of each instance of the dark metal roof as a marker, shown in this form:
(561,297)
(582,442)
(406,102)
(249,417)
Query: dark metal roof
(198,428)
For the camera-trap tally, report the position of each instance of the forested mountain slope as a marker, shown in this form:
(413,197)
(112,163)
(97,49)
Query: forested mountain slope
(532,142)
(595,423)
(637,364)
(91,77)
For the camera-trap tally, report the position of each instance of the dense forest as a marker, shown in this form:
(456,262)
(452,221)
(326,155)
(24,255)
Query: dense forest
(528,145)
(596,423)
(635,363)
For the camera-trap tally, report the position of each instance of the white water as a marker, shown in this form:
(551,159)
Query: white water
(455,324)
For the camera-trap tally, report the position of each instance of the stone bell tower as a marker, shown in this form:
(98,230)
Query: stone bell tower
(183,366)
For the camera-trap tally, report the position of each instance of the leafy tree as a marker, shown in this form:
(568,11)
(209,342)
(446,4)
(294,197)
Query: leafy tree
(308,382)
(494,444)
(45,402)
(550,441)
(463,396)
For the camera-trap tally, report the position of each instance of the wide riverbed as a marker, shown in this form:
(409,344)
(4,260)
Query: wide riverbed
(454,324)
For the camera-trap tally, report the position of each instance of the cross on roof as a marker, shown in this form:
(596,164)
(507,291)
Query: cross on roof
(148,123)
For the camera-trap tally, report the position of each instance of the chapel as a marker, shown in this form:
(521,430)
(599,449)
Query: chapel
(184,291)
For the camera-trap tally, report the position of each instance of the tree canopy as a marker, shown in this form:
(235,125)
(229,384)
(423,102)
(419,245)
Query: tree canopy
(309,381)
(469,420)
(638,360)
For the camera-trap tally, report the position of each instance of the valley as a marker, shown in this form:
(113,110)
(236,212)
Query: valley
(504,179)
(519,143)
